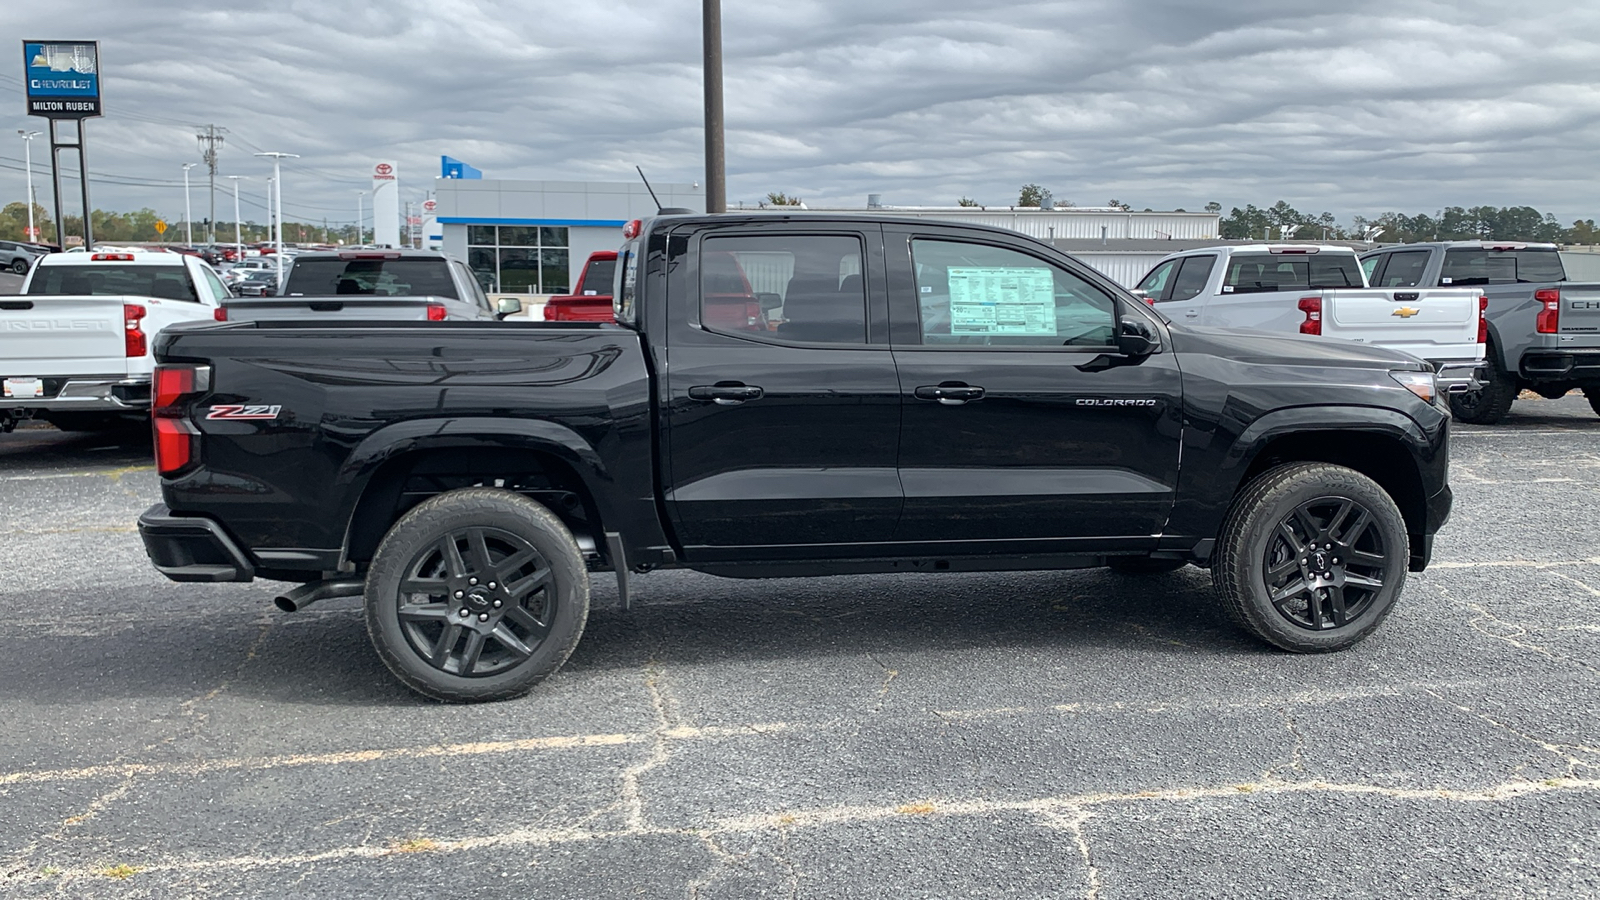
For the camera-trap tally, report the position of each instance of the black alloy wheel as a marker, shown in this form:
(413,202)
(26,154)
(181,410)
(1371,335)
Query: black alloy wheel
(1311,557)
(1325,565)
(477,602)
(1490,401)
(19,266)
(476,594)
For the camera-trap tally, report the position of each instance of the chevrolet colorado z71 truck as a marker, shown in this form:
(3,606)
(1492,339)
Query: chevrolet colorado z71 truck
(933,397)
(1542,332)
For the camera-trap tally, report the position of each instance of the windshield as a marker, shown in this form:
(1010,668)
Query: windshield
(426,276)
(598,275)
(1257,272)
(109,279)
(1469,265)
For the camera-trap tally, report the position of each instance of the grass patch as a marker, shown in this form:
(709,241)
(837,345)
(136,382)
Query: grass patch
(416,845)
(915,809)
(120,871)
(1244,788)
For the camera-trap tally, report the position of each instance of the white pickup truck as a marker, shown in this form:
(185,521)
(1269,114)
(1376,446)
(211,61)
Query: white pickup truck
(1321,290)
(75,342)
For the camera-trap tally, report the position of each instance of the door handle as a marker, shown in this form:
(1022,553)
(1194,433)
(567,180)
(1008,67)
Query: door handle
(1191,313)
(950,393)
(726,393)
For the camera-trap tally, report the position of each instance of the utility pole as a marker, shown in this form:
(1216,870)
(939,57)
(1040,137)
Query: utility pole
(209,142)
(27,161)
(238,226)
(277,196)
(188,218)
(361,217)
(716,160)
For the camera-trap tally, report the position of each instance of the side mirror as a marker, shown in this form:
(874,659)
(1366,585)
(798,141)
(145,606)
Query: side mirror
(507,306)
(1134,339)
(769,301)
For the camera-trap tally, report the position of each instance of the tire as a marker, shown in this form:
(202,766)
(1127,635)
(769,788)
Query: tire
(1488,404)
(19,266)
(1593,393)
(1144,565)
(498,618)
(1363,564)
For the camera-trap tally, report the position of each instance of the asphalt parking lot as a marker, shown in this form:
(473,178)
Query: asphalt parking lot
(1075,734)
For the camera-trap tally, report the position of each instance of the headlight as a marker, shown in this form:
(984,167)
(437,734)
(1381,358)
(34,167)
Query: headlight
(1419,383)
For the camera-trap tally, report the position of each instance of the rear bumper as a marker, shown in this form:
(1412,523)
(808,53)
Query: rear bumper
(1456,376)
(89,393)
(1561,365)
(192,548)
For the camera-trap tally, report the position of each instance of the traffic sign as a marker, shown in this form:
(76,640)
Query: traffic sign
(161,227)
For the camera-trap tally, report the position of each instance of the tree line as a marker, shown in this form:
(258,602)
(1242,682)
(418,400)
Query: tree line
(139,226)
(1453,223)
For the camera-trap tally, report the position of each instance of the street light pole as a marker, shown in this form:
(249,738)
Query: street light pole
(188,220)
(360,215)
(238,226)
(716,159)
(27,162)
(277,196)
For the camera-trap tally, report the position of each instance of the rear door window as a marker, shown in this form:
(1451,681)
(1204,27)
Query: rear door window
(803,288)
(1403,269)
(1260,272)
(1192,278)
(980,294)
(1471,265)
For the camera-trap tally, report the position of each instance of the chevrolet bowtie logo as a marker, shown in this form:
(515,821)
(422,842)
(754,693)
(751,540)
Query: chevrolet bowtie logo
(1405,312)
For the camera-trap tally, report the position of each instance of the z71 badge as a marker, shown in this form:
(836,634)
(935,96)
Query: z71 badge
(234,413)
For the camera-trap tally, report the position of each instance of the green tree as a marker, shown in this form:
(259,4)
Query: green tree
(1032,195)
(966,201)
(1213,207)
(1118,204)
(776,198)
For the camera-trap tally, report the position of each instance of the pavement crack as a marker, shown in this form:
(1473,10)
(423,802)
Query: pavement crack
(1296,761)
(1072,821)
(632,798)
(1564,751)
(1512,633)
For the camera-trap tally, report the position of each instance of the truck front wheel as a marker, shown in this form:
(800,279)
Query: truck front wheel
(476,594)
(1311,557)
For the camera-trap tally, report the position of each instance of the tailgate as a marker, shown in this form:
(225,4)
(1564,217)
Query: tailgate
(48,335)
(1413,316)
(325,309)
(1580,315)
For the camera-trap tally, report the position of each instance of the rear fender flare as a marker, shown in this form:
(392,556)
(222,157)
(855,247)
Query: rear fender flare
(466,433)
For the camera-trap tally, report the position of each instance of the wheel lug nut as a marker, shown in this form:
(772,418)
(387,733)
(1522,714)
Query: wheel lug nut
(492,585)
(460,594)
(472,581)
(483,617)
(465,612)
(498,604)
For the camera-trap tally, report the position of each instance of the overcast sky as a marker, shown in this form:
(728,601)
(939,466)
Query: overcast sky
(1354,108)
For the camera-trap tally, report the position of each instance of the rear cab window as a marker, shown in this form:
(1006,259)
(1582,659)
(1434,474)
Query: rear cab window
(112,278)
(1474,265)
(1403,268)
(1251,273)
(414,277)
(597,277)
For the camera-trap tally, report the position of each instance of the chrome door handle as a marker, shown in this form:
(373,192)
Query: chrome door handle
(726,393)
(949,393)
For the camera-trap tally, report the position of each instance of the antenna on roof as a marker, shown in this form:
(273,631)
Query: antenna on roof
(648,188)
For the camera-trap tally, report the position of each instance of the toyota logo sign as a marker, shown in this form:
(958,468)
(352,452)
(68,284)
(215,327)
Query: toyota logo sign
(383,169)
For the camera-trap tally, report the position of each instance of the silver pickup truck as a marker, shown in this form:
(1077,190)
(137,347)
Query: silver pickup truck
(1543,330)
(413,285)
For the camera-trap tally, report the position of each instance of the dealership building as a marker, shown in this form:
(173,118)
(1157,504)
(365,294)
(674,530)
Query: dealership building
(531,237)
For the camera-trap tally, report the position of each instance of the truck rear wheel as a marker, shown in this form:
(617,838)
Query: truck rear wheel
(1311,557)
(1488,404)
(476,594)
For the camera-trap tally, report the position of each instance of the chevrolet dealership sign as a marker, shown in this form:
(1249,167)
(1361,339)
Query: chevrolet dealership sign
(63,78)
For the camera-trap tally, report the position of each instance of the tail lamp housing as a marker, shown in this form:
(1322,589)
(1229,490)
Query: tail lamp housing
(1483,319)
(1312,307)
(436,312)
(1549,319)
(135,342)
(177,441)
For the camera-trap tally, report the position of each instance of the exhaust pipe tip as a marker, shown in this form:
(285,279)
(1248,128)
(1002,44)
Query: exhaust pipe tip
(312,592)
(285,604)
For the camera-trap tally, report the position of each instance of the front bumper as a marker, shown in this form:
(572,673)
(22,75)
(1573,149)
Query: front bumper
(87,393)
(192,548)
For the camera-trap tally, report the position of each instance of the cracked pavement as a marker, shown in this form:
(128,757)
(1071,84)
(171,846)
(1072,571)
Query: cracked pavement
(1054,734)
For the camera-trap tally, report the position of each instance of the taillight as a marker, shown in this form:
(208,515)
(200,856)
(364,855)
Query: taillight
(632,229)
(1312,307)
(1483,319)
(134,342)
(220,314)
(436,312)
(176,440)
(116,257)
(1549,318)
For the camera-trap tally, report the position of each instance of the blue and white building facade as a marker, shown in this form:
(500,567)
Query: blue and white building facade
(532,237)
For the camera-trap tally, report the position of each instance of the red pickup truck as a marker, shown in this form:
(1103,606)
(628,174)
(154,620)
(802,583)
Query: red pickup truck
(590,300)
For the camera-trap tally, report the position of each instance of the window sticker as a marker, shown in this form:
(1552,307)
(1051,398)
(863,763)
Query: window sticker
(1002,301)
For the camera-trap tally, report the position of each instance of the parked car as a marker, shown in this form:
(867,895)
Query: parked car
(75,342)
(257,283)
(18,257)
(1542,331)
(988,404)
(374,284)
(1320,290)
(590,300)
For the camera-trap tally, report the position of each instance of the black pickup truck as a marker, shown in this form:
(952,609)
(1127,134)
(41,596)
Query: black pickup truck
(788,395)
